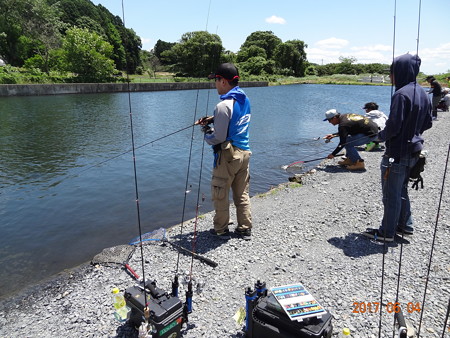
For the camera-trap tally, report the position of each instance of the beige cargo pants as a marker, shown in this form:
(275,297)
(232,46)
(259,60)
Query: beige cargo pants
(232,171)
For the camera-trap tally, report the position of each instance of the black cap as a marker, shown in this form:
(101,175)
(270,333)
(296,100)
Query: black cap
(371,106)
(226,70)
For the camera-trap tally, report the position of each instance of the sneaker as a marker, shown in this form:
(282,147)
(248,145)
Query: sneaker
(405,231)
(347,161)
(225,235)
(358,165)
(245,234)
(377,235)
(370,146)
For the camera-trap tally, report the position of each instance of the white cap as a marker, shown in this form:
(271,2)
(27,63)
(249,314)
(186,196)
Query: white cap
(330,114)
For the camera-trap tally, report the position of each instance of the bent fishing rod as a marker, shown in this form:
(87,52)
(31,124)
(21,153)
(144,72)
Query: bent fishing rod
(323,158)
(307,161)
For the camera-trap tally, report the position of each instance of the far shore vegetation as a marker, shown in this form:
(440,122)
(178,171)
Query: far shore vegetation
(16,75)
(75,41)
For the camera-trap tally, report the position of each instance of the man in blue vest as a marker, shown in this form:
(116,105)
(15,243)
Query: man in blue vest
(229,138)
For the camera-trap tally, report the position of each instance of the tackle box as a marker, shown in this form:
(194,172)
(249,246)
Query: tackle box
(269,320)
(166,312)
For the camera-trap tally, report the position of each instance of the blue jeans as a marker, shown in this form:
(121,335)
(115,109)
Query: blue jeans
(354,141)
(394,183)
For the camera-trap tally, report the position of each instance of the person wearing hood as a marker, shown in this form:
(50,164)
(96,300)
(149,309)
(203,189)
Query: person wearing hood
(230,141)
(410,115)
(436,91)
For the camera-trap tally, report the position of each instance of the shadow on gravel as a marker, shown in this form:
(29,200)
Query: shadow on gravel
(205,242)
(356,245)
(127,331)
(337,169)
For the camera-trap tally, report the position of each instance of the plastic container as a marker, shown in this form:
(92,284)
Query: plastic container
(345,333)
(121,313)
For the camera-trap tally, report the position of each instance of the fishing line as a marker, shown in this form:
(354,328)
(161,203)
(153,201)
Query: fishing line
(446,318)
(207,18)
(432,244)
(186,191)
(135,174)
(409,155)
(320,152)
(409,159)
(131,150)
(189,292)
(383,259)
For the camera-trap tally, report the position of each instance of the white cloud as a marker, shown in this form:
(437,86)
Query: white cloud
(435,60)
(384,48)
(276,19)
(322,56)
(146,44)
(332,43)
(370,56)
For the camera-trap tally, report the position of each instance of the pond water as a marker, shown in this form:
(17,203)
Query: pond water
(67,186)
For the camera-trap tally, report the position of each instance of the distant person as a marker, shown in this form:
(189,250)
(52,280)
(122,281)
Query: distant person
(353,130)
(229,139)
(410,115)
(379,118)
(436,90)
(446,99)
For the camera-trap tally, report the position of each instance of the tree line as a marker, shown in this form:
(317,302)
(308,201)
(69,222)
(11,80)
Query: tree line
(75,40)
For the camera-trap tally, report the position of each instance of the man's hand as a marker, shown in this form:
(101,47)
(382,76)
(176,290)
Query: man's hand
(330,156)
(329,136)
(204,120)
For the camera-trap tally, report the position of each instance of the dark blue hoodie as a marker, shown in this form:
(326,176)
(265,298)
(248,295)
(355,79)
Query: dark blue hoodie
(410,111)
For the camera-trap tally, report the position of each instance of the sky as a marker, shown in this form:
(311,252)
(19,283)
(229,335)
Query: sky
(331,29)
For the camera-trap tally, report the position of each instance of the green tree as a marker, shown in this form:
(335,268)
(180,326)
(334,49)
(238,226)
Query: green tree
(43,28)
(132,46)
(372,68)
(257,66)
(150,62)
(11,31)
(160,47)
(196,54)
(346,65)
(252,51)
(87,55)
(267,40)
(291,55)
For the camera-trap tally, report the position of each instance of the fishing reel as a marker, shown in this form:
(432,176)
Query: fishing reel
(207,129)
(199,284)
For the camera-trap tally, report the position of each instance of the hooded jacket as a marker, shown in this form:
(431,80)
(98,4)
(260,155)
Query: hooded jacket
(410,111)
(231,120)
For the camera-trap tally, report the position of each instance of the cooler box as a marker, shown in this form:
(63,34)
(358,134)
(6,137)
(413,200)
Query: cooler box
(166,312)
(269,320)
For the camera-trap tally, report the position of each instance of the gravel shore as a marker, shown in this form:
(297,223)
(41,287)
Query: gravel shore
(307,234)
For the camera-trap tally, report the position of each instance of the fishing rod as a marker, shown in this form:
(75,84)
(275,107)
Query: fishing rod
(385,182)
(175,282)
(307,161)
(146,311)
(322,158)
(432,244)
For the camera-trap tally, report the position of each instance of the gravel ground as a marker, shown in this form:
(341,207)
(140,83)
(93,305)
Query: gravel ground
(308,234)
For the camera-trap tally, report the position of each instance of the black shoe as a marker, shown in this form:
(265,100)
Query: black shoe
(220,235)
(377,235)
(245,234)
(408,230)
